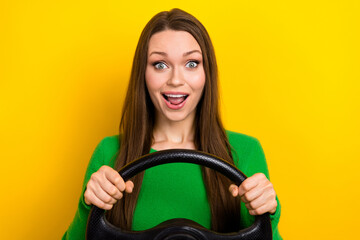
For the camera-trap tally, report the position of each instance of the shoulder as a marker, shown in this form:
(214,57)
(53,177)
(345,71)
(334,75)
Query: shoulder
(110,143)
(240,140)
(246,150)
(107,150)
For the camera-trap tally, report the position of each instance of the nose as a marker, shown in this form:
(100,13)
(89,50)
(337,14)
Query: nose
(176,78)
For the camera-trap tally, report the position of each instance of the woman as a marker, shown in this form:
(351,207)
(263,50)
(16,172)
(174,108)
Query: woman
(172,102)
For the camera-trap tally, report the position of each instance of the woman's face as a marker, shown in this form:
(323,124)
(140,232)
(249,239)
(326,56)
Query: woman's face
(175,75)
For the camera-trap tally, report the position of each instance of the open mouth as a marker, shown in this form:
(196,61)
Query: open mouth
(175,99)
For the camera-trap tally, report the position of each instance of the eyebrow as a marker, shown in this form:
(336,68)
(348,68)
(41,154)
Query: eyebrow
(191,52)
(185,54)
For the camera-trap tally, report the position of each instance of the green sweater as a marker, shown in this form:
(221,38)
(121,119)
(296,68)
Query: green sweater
(166,194)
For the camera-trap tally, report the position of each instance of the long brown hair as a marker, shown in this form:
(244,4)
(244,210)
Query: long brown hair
(138,117)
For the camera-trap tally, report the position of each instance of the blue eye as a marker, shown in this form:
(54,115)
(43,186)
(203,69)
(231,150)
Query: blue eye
(160,65)
(192,64)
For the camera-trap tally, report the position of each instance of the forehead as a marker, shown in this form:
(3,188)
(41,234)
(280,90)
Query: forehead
(170,41)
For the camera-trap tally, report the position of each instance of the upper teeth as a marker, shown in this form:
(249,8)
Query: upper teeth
(175,95)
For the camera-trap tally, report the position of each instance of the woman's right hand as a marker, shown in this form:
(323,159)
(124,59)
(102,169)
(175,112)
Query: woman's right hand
(105,187)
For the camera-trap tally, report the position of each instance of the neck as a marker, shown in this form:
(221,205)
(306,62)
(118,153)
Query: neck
(174,134)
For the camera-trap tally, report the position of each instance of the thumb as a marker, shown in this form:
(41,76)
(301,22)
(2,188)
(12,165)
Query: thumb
(234,190)
(129,185)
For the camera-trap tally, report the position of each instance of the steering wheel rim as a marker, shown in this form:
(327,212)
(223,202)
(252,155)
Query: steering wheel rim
(98,226)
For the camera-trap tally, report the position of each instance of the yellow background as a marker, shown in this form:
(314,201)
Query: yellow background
(289,73)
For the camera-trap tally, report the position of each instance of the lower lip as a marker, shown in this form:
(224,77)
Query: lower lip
(175,107)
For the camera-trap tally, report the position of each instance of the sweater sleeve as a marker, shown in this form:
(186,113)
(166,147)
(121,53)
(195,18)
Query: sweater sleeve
(76,230)
(250,159)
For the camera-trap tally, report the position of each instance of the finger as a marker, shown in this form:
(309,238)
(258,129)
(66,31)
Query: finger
(115,178)
(247,185)
(111,189)
(129,186)
(273,208)
(97,202)
(234,190)
(265,203)
(87,197)
(252,194)
(261,210)
(256,203)
(102,195)
(268,198)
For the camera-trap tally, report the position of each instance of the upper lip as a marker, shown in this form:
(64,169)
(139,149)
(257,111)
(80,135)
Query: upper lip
(175,94)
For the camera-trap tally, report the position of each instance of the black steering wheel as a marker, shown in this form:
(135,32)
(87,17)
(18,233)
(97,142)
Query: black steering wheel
(99,228)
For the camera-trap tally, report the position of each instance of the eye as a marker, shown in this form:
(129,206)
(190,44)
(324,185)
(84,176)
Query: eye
(192,64)
(160,65)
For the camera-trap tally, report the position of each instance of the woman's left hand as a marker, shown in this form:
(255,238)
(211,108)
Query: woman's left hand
(258,194)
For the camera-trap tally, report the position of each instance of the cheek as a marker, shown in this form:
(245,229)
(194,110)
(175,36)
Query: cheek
(151,82)
(154,81)
(197,81)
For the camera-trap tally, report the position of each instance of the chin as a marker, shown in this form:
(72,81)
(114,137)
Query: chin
(176,117)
